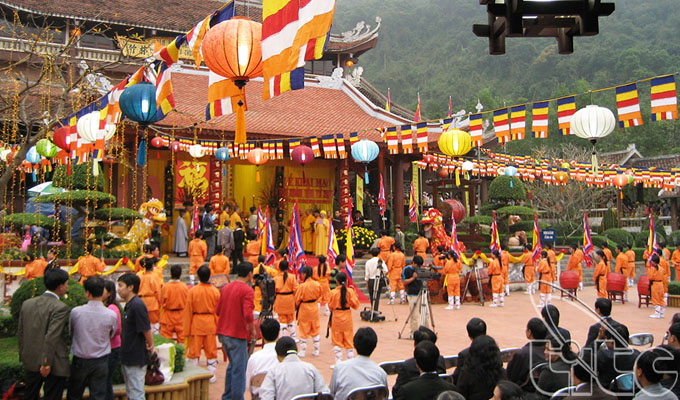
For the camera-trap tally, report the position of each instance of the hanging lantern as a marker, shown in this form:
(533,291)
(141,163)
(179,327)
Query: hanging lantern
(467,167)
(233,49)
(455,142)
(302,155)
(157,143)
(593,123)
(620,181)
(109,131)
(4,153)
(88,126)
(61,137)
(365,151)
(46,148)
(196,151)
(222,154)
(443,173)
(257,157)
(32,156)
(175,146)
(510,172)
(138,103)
(561,177)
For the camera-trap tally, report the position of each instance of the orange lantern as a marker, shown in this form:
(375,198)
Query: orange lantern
(257,157)
(620,181)
(233,49)
(561,177)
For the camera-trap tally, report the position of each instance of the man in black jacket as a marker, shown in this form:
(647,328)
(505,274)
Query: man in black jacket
(428,385)
(528,356)
(475,327)
(239,238)
(617,358)
(409,371)
(208,227)
(596,331)
(551,316)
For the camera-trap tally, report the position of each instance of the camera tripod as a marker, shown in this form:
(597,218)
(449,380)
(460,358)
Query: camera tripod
(422,304)
(480,288)
(379,283)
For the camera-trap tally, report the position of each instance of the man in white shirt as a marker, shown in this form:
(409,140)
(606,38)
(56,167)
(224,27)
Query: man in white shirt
(291,377)
(373,269)
(264,360)
(359,371)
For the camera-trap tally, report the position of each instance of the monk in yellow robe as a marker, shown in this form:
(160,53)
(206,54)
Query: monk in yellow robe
(322,229)
(308,231)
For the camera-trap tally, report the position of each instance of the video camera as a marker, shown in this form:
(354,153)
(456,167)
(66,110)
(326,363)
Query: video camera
(426,274)
(268,289)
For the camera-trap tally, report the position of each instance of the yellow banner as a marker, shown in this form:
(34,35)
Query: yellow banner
(360,194)
(415,178)
(144,48)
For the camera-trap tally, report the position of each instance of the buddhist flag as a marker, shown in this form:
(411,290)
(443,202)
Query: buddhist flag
(353,138)
(315,147)
(664,98)
(296,253)
(495,244)
(195,36)
(165,99)
(342,150)
(539,124)
(223,96)
(421,136)
(518,116)
(587,242)
(279,149)
(387,104)
(454,238)
(417,115)
(315,19)
(566,108)
(628,106)
(445,124)
(501,126)
(280,23)
(170,53)
(476,129)
(413,205)
(292,144)
(329,148)
(392,140)
(112,109)
(536,241)
(333,249)
(349,250)
(382,202)
(407,139)
(652,244)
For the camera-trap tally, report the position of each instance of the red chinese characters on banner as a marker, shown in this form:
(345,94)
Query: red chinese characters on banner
(314,188)
(192,180)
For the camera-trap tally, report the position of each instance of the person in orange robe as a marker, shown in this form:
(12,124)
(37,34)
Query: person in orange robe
(322,274)
(496,274)
(545,274)
(452,270)
(200,321)
(253,248)
(385,244)
(342,300)
(219,263)
(262,269)
(656,277)
(307,228)
(552,257)
(148,249)
(150,287)
(505,270)
(529,269)
(35,268)
(631,265)
(666,252)
(395,265)
(90,265)
(307,296)
(621,267)
(608,253)
(173,301)
(198,251)
(574,263)
(421,245)
(439,261)
(675,260)
(284,304)
(600,274)
(666,269)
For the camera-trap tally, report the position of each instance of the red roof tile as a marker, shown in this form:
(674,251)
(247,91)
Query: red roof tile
(313,111)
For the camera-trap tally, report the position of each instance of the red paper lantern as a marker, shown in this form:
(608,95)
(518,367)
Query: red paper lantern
(157,142)
(175,146)
(60,137)
(428,158)
(258,157)
(302,154)
(443,173)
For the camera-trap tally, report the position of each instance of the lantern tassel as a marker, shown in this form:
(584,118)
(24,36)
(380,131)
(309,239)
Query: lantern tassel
(366,174)
(141,153)
(95,168)
(511,184)
(257,175)
(240,120)
(457,177)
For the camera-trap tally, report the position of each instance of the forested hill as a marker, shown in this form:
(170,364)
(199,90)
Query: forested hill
(427,46)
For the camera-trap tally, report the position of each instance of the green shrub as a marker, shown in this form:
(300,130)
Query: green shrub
(527,226)
(75,295)
(619,236)
(642,237)
(478,219)
(673,239)
(487,208)
(516,210)
(500,189)
(11,369)
(22,219)
(609,220)
(81,177)
(8,326)
(674,287)
(81,198)
(363,238)
(639,252)
(116,214)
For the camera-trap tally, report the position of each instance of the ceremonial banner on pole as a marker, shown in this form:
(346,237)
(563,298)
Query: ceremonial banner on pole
(495,238)
(382,203)
(587,242)
(360,194)
(333,249)
(454,237)
(536,240)
(652,244)
(296,253)
(413,205)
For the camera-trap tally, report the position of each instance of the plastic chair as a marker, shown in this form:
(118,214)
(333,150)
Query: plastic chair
(313,396)
(623,383)
(641,339)
(507,354)
(378,392)
(450,362)
(562,393)
(391,367)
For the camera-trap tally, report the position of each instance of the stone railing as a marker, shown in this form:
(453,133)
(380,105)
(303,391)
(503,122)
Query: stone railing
(80,53)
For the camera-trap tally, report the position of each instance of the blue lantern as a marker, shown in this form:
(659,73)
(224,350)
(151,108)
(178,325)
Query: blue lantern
(365,151)
(138,103)
(510,171)
(32,156)
(222,154)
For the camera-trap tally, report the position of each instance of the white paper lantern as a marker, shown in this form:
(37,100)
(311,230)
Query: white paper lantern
(109,131)
(88,126)
(4,153)
(467,166)
(196,151)
(592,123)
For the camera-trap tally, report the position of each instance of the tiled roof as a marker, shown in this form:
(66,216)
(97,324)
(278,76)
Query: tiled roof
(621,157)
(663,162)
(313,111)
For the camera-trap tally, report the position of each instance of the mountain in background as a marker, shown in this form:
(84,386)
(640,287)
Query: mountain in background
(427,46)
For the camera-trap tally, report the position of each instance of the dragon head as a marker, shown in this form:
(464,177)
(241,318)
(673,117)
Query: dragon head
(431,218)
(153,210)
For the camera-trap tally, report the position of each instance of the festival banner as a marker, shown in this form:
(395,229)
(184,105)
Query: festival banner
(566,108)
(664,98)
(192,179)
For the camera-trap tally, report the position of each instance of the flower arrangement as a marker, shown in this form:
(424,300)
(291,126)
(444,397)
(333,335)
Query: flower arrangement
(363,238)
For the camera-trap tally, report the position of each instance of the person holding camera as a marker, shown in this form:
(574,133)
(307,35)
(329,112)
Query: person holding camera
(395,265)
(413,287)
(375,268)
(261,275)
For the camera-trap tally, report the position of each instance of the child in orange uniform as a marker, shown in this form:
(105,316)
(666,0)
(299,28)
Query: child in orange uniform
(631,265)
(545,274)
(496,275)
(395,265)
(385,244)
(665,267)
(420,245)
(253,248)
(675,260)
(322,274)
(505,269)
(284,304)
(219,263)
(148,249)
(89,265)
(574,263)
(600,274)
(529,269)
(452,269)
(621,267)
(306,297)
(198,251)
(173,301)
(200,321)
(342,329)
(656,277)
(35,268)
(150,287)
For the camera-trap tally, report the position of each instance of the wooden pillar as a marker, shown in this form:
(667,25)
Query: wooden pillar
(398,193)
(484,191)
(674,213)
(381,165)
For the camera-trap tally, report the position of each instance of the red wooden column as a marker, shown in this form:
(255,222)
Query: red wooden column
(344,192)
(398,193)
